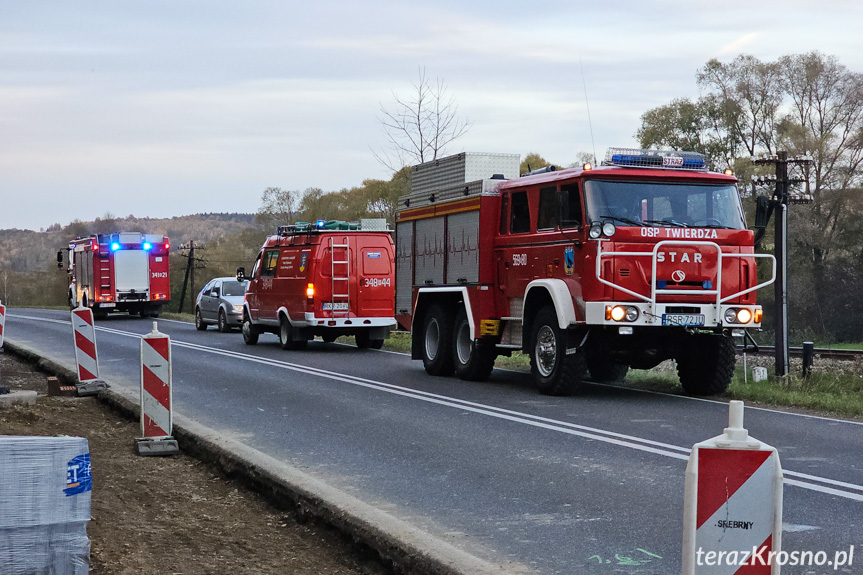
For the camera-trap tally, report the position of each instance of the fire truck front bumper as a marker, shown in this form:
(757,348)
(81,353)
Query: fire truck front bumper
(695,315)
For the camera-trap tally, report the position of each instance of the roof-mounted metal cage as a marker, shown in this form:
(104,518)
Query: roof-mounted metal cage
(672,159)
(365,224)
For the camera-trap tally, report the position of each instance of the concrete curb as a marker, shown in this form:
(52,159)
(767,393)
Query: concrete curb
(396,542)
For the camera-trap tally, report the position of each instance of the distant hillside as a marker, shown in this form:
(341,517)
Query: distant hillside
(28,259)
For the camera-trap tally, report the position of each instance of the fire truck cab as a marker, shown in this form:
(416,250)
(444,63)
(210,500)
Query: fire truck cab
(326,278)
(589,270)
(124,271)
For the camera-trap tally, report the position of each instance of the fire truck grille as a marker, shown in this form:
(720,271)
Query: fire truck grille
(624,273)
(682,309)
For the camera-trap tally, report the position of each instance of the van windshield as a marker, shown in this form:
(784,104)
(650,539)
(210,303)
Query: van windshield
(685,205)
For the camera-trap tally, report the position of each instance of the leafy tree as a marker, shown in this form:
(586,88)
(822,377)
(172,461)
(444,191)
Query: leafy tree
(532,161)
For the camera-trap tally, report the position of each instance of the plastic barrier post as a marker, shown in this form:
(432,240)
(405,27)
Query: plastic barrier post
(156,417)
(2,323)
(732,518)
(86,358)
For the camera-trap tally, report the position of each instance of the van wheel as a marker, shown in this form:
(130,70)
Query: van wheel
(437,342)
(366,342)
(286,336)
(705,364)
(555,372)
(473,360)
(250,332)
(223,322)
(199,321)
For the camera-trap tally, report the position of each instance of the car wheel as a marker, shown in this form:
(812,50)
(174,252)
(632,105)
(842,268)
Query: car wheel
(555,371)
(473,361)
(437,342)
(199,321)
(223,322)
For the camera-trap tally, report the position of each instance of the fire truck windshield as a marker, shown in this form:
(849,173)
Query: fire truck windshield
(664,204)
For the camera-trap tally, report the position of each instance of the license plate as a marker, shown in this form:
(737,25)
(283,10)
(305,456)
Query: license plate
(328,306)
(683,319)
(107,305)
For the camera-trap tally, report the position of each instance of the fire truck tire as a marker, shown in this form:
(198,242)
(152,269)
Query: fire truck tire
(286,336)
(250,332)
(437,342)
(223,322)
(555,372)
(602,370)
(473,361)
(365,342)
(328,338)
(706,364)
(199,321)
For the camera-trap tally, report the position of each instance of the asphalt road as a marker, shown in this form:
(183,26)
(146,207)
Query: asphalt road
(586,484)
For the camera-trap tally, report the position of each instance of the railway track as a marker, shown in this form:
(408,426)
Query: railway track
(822,352)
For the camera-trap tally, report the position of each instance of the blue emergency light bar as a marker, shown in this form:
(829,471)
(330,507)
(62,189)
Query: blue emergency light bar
(147,246)
(115,246)
(670,159)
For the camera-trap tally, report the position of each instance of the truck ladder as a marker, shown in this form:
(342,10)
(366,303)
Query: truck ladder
(340,298)
(105,275)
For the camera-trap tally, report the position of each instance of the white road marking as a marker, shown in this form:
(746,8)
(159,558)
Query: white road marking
(611,437)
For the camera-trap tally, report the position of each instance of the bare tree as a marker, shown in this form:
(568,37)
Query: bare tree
(278,207)
(419,128)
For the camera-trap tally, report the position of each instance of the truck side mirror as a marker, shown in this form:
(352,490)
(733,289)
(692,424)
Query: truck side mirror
(241,274)
(60,259)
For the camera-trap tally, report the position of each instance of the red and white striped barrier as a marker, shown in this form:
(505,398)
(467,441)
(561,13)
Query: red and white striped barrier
(156,415)
(2,323)
(86,357)
(85,344)
(733,504)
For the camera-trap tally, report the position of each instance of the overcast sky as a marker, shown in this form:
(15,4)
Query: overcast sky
(164,108)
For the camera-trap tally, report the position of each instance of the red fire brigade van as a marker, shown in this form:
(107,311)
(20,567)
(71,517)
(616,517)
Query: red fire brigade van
(125,271)
(590,270)
(325,278)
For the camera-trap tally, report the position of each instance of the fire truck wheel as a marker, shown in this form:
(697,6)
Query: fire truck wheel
(366,342)
(328,338)
(250,332)
(437,342)
(705,364)
(473,361)
(602,370)
(223,322)
(555,372)
(199,321)
(286,336)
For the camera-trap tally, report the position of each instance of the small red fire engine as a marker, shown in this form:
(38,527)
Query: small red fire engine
(325,278)
(589,271)
(124,271)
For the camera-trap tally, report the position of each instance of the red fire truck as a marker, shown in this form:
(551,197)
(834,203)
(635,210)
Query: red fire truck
(590,271)
(124,271)
(326,278)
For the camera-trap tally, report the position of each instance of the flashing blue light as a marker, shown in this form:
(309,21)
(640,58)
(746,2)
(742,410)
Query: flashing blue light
(321,223)
(661,284)
(707,284)
(115,246)
(693,163)
(148,246)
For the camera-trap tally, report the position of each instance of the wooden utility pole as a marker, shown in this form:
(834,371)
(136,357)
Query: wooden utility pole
(189,278)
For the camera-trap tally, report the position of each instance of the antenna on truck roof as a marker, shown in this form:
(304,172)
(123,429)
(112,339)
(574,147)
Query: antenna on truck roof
(589,123)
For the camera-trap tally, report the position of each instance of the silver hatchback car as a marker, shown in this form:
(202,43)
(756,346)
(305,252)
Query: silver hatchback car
(221,303)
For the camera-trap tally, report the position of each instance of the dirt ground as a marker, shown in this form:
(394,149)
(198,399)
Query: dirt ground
(173,515)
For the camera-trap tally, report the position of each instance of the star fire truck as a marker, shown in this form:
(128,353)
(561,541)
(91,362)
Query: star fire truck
(590,271)
(124,271)
(327,278)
